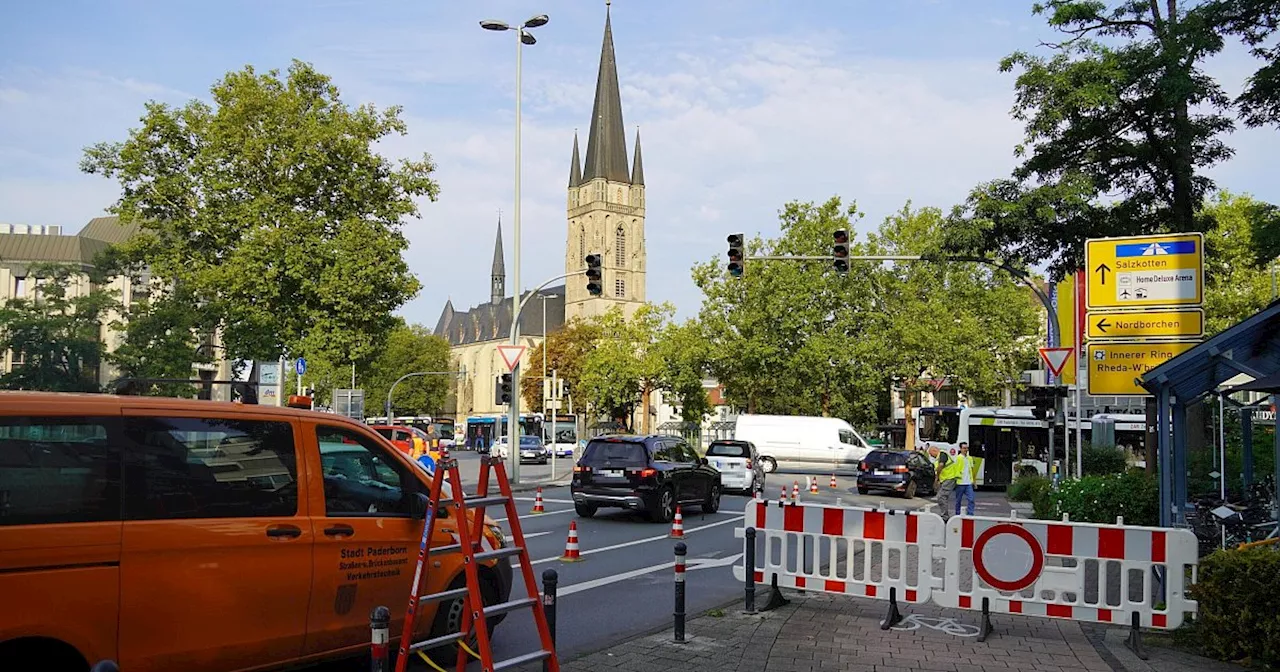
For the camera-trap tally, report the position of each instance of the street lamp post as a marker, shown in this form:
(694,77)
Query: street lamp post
(462,371)
(523,37)
(544,298)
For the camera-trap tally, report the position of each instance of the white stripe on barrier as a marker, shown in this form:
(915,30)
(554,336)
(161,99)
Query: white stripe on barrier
(845,550)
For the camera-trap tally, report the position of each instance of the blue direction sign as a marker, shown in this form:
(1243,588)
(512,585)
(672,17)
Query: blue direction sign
(300,366)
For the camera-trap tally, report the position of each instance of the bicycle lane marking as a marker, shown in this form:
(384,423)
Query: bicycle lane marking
(947,625)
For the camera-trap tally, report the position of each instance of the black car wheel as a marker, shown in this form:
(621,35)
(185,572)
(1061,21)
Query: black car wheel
(585,510)
(713,500)
(665,508)
(768,464)
(449,619)
(862,490)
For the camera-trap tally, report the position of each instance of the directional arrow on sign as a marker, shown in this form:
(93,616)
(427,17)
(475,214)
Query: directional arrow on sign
(1103,324)
(1102,270)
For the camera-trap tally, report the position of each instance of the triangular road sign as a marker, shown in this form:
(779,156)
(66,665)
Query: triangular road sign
(511,355)
(1056,358)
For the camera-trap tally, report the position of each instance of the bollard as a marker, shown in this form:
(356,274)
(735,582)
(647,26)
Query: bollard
(106,666)
(379,623)
(681,551)
(549,581)
(750,564)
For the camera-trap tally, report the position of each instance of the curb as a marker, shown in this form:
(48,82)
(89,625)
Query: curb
(532,486)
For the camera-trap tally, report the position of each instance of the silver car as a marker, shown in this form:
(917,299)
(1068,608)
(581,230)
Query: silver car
(739,465)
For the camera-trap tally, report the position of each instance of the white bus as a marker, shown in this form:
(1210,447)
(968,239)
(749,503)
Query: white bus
(1003,441)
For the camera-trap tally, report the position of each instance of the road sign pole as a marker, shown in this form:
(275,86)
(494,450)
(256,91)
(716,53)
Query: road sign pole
(1080,373)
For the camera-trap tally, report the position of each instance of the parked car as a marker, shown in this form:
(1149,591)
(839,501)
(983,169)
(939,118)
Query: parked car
(176,534)
(739,465)
(802,442)
(904,473)
(650,474)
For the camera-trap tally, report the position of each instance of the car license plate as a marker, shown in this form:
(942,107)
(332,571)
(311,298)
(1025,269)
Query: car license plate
(883,472)
(617,473)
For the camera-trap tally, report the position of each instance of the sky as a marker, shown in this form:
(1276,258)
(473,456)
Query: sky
(742,106)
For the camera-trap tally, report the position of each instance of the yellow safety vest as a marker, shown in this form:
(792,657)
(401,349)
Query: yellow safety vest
(953,469)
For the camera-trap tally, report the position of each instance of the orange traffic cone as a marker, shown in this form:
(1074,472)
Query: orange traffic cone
(537,502)
(677,525)
(571,553)
(795,491)
(813,485)
(833,482)
(782,498)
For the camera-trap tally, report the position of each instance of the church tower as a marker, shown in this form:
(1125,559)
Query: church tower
(498,275)
(606,203)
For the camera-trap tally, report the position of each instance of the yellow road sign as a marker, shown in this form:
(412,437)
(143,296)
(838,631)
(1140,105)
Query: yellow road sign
(1130,324)
(1141,271)
(1114,368)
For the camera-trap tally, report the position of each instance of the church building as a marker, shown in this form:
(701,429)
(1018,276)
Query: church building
(605,214)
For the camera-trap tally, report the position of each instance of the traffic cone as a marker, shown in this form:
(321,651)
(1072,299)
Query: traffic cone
(833,482)
(813,485)
(795,491)
(782,498)
(537,502)
(571,553)
(677,525)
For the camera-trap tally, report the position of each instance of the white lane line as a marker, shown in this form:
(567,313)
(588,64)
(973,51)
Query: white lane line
(532,516)
(635,542)
(545,499)
(693,564)
(529,535)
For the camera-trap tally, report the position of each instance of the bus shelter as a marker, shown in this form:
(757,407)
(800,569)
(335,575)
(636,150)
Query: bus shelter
(1252,348)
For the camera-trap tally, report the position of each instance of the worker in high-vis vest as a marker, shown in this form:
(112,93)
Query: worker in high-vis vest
(964,484)
(948,471)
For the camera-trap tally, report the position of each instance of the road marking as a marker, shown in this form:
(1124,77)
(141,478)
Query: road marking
(532,516)
(528,536)
(692,564)
(635,542)
(545,499)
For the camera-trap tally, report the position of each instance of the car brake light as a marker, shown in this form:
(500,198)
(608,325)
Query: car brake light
(901,469)
(862,466)
(647,472)
(577,468)
(748,464)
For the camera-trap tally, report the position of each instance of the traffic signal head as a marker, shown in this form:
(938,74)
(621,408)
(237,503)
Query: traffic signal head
(502,390)
(736,247)
(595,279)
(840,250)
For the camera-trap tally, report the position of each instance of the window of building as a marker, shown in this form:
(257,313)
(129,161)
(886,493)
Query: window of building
(620,247)
(59,470)
(360,478)
(209,468)
(620,195)
(582,244)
(19,287)
(620,288)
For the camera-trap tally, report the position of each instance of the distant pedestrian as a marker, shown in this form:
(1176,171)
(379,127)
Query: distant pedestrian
(946,473)
(964,487)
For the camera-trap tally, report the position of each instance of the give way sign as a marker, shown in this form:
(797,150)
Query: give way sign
(511,355)
(1056,358)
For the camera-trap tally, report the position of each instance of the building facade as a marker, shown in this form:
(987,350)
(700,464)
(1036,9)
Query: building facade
(605,215)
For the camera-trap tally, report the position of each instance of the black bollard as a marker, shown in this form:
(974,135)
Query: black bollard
(750,573)
(681,551)
(549,581)
(379,624)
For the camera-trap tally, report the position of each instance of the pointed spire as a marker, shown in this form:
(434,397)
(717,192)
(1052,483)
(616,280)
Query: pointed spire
(498,276)
(637,166)
(607,142)
(575,168)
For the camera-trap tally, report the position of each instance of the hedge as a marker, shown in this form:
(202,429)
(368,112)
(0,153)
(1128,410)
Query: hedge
(1100,499)
(1028,488)
(1100,461)
(1238,617)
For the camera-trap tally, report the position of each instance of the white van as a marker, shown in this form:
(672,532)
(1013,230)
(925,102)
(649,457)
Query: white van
(802,442)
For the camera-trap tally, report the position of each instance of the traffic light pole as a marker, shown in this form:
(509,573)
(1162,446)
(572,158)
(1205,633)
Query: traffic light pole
(513,417)
(390,420)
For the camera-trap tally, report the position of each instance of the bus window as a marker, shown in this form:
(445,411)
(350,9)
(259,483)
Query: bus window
(940,426)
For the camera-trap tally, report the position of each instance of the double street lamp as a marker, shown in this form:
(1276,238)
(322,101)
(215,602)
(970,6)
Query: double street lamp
(523,37)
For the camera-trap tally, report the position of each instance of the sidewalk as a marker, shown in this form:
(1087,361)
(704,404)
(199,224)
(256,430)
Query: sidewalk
(821,632)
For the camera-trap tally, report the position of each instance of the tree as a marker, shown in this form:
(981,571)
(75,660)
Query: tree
(684,356)
(270,207)
(57,333)
(567,349)
(160,340)
(409,349)
(1121,125)
(624,367)
(1256,22)
(1238,255)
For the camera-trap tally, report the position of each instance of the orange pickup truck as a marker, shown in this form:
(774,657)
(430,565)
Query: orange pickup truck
(171,534)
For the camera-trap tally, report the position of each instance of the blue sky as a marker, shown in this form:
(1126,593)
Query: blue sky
(742,106)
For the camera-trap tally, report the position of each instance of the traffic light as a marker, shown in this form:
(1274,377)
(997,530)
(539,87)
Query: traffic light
(595,280)
(502,390)
(840,250)
(736,266)
(1045,399)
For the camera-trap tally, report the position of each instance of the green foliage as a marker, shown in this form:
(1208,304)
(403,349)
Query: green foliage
(1255,22)
(1099,461)
(1238,255)
(625,365)
(58,333)
(408,349)
(1028,488)
(684,356)
(567,349)
(271,208)
(159,340)
(1121,126)
(1238,618)
(1202,462)
(1100,499)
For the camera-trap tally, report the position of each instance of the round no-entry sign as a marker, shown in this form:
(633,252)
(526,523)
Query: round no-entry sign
(1008,557)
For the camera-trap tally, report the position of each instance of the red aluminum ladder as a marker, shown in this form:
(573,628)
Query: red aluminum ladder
(470,532)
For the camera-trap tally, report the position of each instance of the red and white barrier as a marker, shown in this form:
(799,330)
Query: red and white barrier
(1076,571)
(846,550)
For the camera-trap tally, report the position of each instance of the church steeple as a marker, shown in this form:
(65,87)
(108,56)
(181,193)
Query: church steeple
(498,275)
(607,142)
(637,166)
(575,168)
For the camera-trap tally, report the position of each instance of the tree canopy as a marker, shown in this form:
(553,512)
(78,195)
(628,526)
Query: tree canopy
(56,331)
(271,209)
(567,349)
(1238,255)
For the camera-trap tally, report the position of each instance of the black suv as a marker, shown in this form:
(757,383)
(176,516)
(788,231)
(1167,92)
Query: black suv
(651,474)
(903,473)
